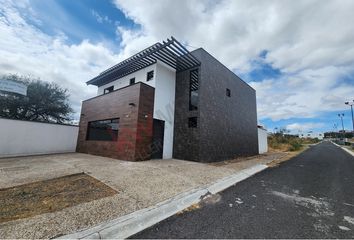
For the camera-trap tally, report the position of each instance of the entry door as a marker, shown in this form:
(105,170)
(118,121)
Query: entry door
(157,139)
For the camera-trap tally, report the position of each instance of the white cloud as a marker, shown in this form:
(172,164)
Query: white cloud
(304,94)
(310,42)
(26,50)
(100,18)
(304,127)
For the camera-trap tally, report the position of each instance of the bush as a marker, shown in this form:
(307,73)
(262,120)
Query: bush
(285,142)
(295,145)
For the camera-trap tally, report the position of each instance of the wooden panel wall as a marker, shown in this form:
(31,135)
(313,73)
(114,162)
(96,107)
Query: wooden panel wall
(135,123)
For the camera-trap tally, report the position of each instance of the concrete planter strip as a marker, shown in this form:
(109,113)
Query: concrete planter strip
(130,224)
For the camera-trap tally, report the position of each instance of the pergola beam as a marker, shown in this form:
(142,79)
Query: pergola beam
(172,53)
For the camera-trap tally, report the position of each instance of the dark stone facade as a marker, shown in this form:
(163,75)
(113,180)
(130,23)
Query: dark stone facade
(185,139)
(227,126)
(135,122)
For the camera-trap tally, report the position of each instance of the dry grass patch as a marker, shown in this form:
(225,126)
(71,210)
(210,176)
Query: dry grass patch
(50,195)
(235,160)
(289,155)
(193,207)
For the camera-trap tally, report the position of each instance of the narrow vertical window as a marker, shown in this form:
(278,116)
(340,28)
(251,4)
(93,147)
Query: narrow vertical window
(228,92)
(193,90)
(150,76)
(131,81)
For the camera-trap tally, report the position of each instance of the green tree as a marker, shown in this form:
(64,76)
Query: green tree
(46,102)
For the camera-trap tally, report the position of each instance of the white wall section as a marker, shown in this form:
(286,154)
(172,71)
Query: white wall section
(262,140)
(21,138)
(164,105)
(140,76)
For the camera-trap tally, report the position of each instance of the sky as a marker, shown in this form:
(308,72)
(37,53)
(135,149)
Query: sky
(298,55)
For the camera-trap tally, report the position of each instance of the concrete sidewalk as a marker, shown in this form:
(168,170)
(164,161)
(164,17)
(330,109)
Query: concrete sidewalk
(140,185)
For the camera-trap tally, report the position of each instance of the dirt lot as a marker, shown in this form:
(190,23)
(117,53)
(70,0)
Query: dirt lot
(50,195)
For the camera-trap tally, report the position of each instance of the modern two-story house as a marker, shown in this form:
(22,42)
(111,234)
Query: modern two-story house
(167,102)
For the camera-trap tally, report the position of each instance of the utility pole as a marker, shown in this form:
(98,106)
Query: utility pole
(351,108)
(335,129)
(341,115)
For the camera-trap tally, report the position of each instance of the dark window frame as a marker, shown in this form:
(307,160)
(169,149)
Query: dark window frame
(228,92)
(109,134)
(192,122)
(132,81)
(108,89)
(150,75)
(193,106)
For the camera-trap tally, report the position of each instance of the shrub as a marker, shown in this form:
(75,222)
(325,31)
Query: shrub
(285,142)
(295,145)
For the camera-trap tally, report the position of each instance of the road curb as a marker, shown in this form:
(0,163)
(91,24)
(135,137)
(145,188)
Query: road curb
(227,182)
(130,224)
(348,151)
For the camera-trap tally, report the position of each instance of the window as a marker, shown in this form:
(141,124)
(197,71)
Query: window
(149,75)
(193,90)
(108,90)
(192,122)
(228,92)
(131,81)
(103,130)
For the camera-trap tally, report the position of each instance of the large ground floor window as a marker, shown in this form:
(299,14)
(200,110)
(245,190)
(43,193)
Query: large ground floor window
(103,130)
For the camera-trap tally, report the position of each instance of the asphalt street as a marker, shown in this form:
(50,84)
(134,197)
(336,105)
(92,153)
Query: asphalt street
(309,196)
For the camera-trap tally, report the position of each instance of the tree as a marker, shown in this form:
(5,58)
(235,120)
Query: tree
(46,102)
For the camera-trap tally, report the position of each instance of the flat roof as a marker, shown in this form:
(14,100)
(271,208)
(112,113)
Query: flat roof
(170,52)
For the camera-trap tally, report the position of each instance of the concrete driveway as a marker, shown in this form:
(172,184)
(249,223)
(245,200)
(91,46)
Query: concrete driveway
(139,185)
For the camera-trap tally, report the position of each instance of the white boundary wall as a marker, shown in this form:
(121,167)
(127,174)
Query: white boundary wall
(21,138)
(262,141)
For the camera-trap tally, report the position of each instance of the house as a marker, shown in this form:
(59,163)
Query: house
(312,135)
(166,102)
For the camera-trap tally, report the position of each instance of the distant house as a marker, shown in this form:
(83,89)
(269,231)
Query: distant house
(311,135)
(167,102)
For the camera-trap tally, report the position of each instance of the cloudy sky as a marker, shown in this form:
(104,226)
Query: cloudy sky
(298,55)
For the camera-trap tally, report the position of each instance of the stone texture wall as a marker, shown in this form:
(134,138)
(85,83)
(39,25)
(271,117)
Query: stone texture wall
(186,140)
(227,126)
(135,123)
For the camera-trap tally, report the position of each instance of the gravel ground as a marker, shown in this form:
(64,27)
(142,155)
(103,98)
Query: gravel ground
(139,185)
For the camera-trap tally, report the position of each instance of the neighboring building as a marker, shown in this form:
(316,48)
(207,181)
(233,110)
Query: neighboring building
(166,102)
(262,140)
(311,135)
